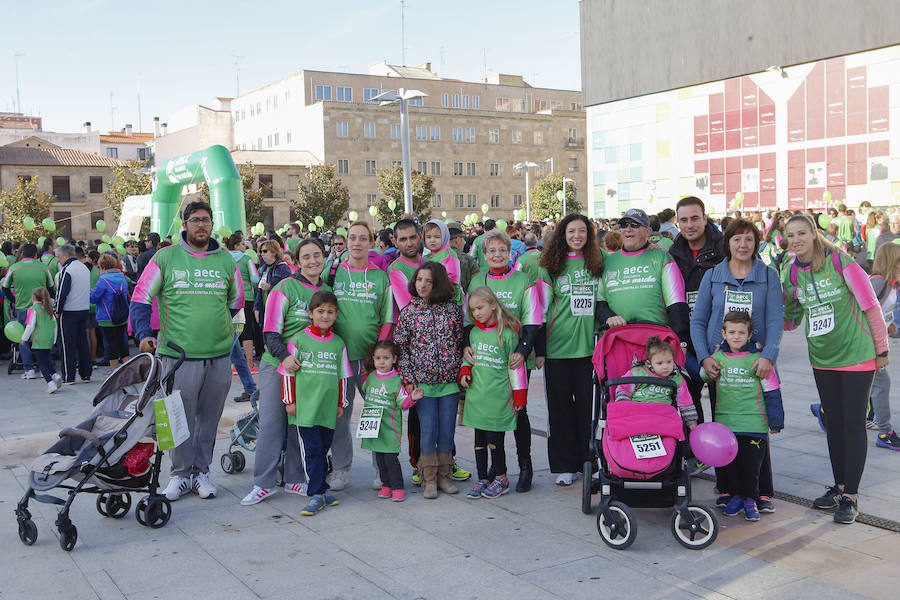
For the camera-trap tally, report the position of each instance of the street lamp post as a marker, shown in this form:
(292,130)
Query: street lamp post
(565,180)
(402,97)
(526,165)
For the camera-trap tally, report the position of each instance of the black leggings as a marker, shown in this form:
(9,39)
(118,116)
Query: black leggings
(523,430)
(116,340)
(483,439)
(569,389)
(845,397)
(389,470)
(741,476)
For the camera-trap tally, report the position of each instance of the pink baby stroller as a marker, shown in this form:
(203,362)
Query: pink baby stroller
(640,447)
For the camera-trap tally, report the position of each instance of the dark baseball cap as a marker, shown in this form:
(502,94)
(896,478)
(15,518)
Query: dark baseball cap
(636,215)
(455,228)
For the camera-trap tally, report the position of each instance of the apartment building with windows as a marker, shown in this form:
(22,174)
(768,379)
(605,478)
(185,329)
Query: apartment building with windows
(468,135)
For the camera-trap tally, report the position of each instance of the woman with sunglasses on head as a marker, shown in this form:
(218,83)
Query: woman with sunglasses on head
(274,269)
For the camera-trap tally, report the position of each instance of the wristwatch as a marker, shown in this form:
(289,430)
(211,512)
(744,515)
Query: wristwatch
(883,354)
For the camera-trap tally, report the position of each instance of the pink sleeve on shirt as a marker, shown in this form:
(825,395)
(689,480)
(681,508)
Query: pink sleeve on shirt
(683,396)
(859,285)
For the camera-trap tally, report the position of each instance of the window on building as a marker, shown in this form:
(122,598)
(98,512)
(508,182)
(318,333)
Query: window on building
(494,136)
(416,102)
(112,152)
(476,102)
(457,169)
(276,135)
(538,138)
(396,163)
(518,172)
(343,166)
(459,201)
(445,100)
(143,153)
(25,178)
(576,106)
(96,215)
(457,134)
(516,136)
(436,201)
(435,133)
(237,116)
(471,169)
(259,145)
(395,131)
(265,183)
(517,200)
(421,132)
(343,129)
(495,200)
(422,167)
(323,92)
(436,168)
(465,100)
(455,100)
(344,94)
(369,129)
(287,136)
(370,199)
(268,104)
(259,107)
(96,184)
(495,169)
(61,188)
(63,220)
(252,110)
(274,102)
(269,141)
(555,105)
(573,164)
(539,171)
(287,95)
(471,201)
(371,166)
(369,93)
(502,104)
(470,134)
(542,105)
(573,135)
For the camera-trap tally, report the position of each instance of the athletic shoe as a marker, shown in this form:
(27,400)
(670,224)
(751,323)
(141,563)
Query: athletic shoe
(257,495)
(331,500)
(751,513)
(377,484)
(816,410)
(476,491)
(57,378)
(829,499)
(245,397)
(889,440)
(735,506)
(30,374)
(315,504)
(870,424)
(847,511)
(765,505)
(298,489)
(398,496)
(85,380)
(203,486)
(415,477)
(108,372)
(496,489)
(338,479)
(177,487)
(233,370)
(254,369)
(565,479)
(460,474)
(695,467)
(723,500)
(385,492)
(52,387)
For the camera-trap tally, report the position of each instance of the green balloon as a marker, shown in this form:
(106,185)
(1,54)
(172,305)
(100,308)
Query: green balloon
(60,241)
(101,225)
(392,204)
(225,232)
(444,213)
(373,211)
(102,248)
(41,241)
(105,237)
(320,222)
(342,231)
(14,331)
(4,262)
(312,226)
(252,255)
(28,222)
(353,215)
(117,241)
(120,249)
(824,221)
(394,224)
(826,196)
(48,224)
(260,226)
(484,208)
(501,225)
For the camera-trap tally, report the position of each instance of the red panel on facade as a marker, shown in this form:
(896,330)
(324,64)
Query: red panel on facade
(716,142)
(796,131)
(815,129)
(796,177)
(733,94)
(796,158)
(856,90)
(717,166)
(750,137)
(749,117)
(838,193)
(732,120)
(733,164)
(835,82)
(797,104)
(750,161)
(701,144)
(701,166)
(701,124)
(767,200)
(716,103)
(796,199)
(856,173)
(880,148)
(878,97)
(857,123)
(732,183)
(716,122)
(815,97)
(748,92)
(767,135)
(733,139)
(837,154)
(717,184)
(814,197)
(834,126)
(856,152)
(878,120)
(815,155)
(835,64)
(767,180)
(767,161)
(751,200)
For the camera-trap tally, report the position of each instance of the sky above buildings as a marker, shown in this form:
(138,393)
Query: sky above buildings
(74,54)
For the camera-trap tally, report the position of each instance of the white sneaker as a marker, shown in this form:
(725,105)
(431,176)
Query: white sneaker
(565,478)
(296,488)
(57,378)
(52,387)
(203,486)
(338,480)
(178,486)
(29,374)
(376,484)
(257,495)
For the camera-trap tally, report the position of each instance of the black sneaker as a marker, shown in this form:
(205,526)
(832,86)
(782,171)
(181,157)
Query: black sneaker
(829,499)
(889,440)
(846,512)
(765,505)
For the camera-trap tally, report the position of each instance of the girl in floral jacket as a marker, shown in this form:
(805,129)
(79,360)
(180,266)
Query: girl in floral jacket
(429,333)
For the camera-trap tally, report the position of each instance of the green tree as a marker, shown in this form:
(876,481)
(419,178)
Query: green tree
(390,187)
(131,178)
(253,197)
(22,201)
(545,204)
(323,194)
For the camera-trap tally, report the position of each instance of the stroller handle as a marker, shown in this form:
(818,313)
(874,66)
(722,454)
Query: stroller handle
(604,327)
(167,379)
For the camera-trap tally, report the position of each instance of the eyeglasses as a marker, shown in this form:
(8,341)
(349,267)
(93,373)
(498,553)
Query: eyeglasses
(263,251)
(199,220)
(499,251)
(630,225)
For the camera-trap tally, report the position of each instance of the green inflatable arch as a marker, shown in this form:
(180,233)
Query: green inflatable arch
(226,192)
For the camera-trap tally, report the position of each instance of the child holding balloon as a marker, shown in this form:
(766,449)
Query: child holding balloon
(40,328)
(750,407)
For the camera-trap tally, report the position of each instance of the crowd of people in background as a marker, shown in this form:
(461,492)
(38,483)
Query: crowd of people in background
(447,321)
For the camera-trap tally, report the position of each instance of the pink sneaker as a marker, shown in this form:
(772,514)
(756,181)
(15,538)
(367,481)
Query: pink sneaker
(398,496)
(385,492)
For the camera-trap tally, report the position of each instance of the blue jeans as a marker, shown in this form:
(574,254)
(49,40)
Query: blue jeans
(437,417)
(25,347)
(240,365)
(316,442)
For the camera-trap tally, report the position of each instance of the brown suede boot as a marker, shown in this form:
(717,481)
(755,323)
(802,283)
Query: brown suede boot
(428,467)
(444,470)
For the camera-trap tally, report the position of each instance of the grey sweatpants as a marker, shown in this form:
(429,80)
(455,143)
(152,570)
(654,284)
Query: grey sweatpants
(880,396)
(204,385)
(342,445)
(272,424)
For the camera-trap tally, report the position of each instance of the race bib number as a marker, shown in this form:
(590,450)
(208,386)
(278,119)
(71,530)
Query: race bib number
(692,300)
(821,320)
(369,423)
(739,301)
(582,300)
(647,446)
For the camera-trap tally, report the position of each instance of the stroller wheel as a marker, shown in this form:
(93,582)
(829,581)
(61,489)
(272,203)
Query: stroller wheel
(227,463)
(586,488)
(115,506)
(158,512)
(237,457)
(702,533)
(68,537)
(620,529)
(27,531)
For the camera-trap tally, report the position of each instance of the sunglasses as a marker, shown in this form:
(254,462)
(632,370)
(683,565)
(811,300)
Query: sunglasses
(263,251)
(630,225)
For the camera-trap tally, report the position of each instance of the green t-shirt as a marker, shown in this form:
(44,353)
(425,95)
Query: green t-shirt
(665,242)
(196,292)
(248,271)
(530,264)
(95,277)
(640,285)
(438,390)
(570,301)
(364,305)
(489,399)
(647,392)
(845,228)
(24,277)
(871,237)
(740,405)
(323,363)
(515,291)
(292,244)
(478,253)
(50,260)
(385,391)
(400,273)
(287,310)
(44,334)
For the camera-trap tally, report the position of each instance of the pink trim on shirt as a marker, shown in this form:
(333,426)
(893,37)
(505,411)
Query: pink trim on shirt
(868,365)
(387,375)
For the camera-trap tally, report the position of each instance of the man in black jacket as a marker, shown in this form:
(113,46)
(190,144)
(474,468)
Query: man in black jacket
(144,259)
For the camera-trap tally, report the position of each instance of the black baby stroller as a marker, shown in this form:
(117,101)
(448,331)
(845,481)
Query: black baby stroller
(641,447)
(112,453)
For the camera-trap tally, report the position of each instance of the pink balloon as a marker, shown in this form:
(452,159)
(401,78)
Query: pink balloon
(713,444)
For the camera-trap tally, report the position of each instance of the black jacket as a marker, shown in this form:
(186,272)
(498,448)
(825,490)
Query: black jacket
(693,269)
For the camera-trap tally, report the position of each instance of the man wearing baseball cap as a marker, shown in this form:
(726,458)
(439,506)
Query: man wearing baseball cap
(641,282)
